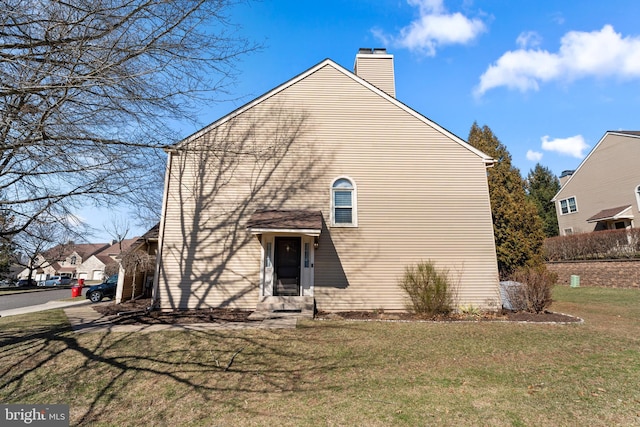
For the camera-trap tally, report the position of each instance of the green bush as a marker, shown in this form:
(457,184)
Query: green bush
(429,289)
(534,293)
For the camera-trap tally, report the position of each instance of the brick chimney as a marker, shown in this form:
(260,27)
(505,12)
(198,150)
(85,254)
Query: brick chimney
(375,65)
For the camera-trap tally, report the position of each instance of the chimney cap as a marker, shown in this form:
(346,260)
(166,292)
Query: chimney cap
(373,51)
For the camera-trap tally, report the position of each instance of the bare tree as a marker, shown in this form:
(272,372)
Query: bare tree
(89,90)
(118,229)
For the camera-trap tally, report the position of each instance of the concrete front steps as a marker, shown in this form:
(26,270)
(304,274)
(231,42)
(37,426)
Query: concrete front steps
(275,307)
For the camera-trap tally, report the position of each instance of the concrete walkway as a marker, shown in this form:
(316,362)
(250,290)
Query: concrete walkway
(84,318)
(51,305)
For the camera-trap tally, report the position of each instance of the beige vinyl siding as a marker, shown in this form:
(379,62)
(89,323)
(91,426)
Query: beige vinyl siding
(378,70)
(420,196)
(607,178)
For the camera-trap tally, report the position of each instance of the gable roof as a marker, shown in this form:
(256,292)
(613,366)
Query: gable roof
(330,63)
(628,133)
(84,250)
(106,255)
(150,236)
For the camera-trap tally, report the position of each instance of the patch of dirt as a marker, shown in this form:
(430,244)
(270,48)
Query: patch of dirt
(136,312)
(504,315)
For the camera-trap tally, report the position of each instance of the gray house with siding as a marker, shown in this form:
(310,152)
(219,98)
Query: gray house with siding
(603,193)
(323,189)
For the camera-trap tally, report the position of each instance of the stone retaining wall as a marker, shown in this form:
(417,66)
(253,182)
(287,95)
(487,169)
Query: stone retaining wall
(606,273)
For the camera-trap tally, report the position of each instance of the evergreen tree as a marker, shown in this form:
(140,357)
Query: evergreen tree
(542,185)
(516,225)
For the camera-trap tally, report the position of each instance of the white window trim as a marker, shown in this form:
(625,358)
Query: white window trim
(569,212)
(638,196)
(567,231)
(354,203)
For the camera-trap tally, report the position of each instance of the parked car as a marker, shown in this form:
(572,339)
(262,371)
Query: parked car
(105,289)
(25,282)
(57,281)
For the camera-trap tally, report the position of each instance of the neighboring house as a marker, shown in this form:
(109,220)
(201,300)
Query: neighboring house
(63,259)
(603,193)
(103,263)
(136,267)
(324,189)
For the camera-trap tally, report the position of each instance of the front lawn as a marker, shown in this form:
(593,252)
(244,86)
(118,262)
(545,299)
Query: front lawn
(340,372)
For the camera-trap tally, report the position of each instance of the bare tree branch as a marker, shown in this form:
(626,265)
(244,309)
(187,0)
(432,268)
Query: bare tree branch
(89,90)
(118,229)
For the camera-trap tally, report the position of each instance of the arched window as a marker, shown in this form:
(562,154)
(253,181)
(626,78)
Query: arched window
(343,203)
(73,260)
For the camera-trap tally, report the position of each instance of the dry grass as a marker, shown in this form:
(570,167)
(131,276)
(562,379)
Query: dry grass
(340,373)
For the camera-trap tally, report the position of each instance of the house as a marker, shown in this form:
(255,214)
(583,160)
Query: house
(89,261)
(603,193)
(136,267)
(323,190)
(63,259)
(103,263)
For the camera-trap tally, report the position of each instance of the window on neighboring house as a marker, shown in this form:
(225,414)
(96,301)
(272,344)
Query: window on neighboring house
(568,231)
(343,203)
(568,206)
(638,196)
(73,260)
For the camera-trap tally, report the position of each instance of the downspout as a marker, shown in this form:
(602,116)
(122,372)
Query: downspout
(163,219)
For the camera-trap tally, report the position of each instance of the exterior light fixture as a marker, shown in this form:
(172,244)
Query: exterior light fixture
(316,243)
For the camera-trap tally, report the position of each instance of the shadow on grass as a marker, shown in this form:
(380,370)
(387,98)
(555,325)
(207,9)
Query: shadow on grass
(94,372)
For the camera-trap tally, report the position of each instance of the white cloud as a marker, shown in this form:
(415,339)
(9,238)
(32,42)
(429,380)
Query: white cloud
(573,146)
(534,156)
(603,53)
(435,27)
(529,39)
(428,6)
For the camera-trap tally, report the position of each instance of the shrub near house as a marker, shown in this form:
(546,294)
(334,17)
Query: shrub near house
(533,290)
(429,289)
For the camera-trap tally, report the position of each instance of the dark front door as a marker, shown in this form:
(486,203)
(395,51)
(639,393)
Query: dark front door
(287,264)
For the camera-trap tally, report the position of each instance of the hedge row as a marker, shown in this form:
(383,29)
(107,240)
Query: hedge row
(609,244)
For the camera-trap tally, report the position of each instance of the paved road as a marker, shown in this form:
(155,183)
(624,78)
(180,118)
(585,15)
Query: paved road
(27,299)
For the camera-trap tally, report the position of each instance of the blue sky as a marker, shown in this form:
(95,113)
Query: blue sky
(548,77)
